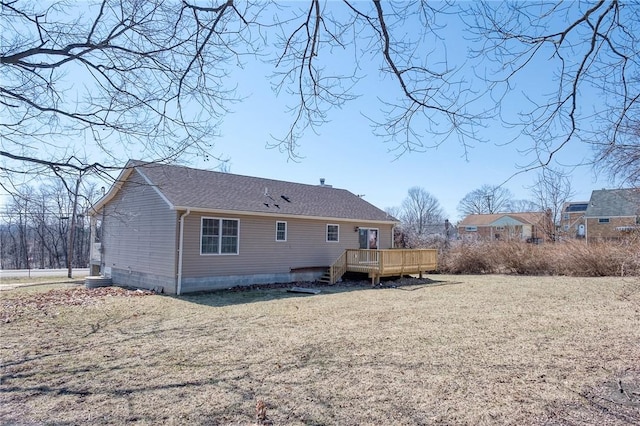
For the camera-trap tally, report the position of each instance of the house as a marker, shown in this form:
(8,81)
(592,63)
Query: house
(526,226)
(181,229)
(572,224)
(612,214)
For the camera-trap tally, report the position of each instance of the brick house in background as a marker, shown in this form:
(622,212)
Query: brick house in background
(612,214)
(572,219)
(526,226)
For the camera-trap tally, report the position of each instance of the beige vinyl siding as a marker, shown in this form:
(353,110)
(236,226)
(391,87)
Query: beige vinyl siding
(140,231)
(260,253)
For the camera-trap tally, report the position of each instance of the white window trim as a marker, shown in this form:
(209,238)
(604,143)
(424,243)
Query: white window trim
(602,220)
(326,234)
(286,231)
(219,237)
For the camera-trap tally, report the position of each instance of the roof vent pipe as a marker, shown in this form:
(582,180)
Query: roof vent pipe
(321,181)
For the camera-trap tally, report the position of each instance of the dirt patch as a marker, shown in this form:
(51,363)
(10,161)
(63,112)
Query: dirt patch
(363,283)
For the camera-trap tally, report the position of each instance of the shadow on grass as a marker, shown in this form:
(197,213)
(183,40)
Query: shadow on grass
(269,292)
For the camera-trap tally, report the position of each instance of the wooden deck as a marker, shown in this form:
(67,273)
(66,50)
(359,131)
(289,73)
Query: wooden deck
(384,263)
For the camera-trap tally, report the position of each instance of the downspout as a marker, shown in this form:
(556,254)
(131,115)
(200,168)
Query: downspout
(393,233)
(180,250)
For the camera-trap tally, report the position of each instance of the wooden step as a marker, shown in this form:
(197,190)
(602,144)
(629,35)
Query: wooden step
(325,278)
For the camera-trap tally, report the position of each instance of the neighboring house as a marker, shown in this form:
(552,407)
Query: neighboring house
(181,229)
(612,214)
(572,223)
(527,226)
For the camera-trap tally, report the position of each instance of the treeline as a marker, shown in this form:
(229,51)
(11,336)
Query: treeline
(37,227)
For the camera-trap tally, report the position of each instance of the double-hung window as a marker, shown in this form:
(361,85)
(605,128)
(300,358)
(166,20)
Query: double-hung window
(281,231)
(333,233)
(219,236)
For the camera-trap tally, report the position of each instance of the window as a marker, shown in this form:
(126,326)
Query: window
(333,232)
(603,220)
(281,231)
(471,228)
(219,236)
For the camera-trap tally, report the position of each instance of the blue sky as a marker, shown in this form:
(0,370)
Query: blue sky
(348,155)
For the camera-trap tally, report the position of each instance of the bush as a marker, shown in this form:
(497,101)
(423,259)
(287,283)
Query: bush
(598,259)
(522,258)
(571,258)
(467,258)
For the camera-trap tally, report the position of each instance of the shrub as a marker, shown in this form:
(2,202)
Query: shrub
(522,258)
(572,258)
(598,259)
(467,258)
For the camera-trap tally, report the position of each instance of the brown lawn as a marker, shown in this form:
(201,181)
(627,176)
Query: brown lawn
(461,350)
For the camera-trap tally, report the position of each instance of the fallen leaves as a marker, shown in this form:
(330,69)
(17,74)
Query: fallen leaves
(11,308)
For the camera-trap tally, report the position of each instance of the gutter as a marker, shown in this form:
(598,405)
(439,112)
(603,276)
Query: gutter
(180,250)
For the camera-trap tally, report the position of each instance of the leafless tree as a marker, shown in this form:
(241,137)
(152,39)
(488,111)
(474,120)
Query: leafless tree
(622,158)
(35,228)
(152,79)
(420,209)
(487,199)
(523,206)
(588,50)
(551,190)
(117,76)
(18,234)
(421,216)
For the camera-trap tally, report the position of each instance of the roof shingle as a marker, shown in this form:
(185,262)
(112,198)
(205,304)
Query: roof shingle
(532,218)
(198,189)
(614,202)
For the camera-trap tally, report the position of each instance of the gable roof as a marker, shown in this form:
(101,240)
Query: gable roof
(614,202)
(203,190)
(496,219)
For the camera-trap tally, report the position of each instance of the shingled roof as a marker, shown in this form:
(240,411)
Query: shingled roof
(614,202)
(204,190)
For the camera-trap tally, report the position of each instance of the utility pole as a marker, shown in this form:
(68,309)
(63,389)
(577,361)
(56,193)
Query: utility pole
(489,197)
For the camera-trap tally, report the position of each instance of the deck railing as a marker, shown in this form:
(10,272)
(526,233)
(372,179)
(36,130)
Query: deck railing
(338,268)
(379,263)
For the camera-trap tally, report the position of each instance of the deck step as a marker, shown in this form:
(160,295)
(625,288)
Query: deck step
(326,277)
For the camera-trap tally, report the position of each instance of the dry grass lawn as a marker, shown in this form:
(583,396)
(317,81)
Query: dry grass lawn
(462,350)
